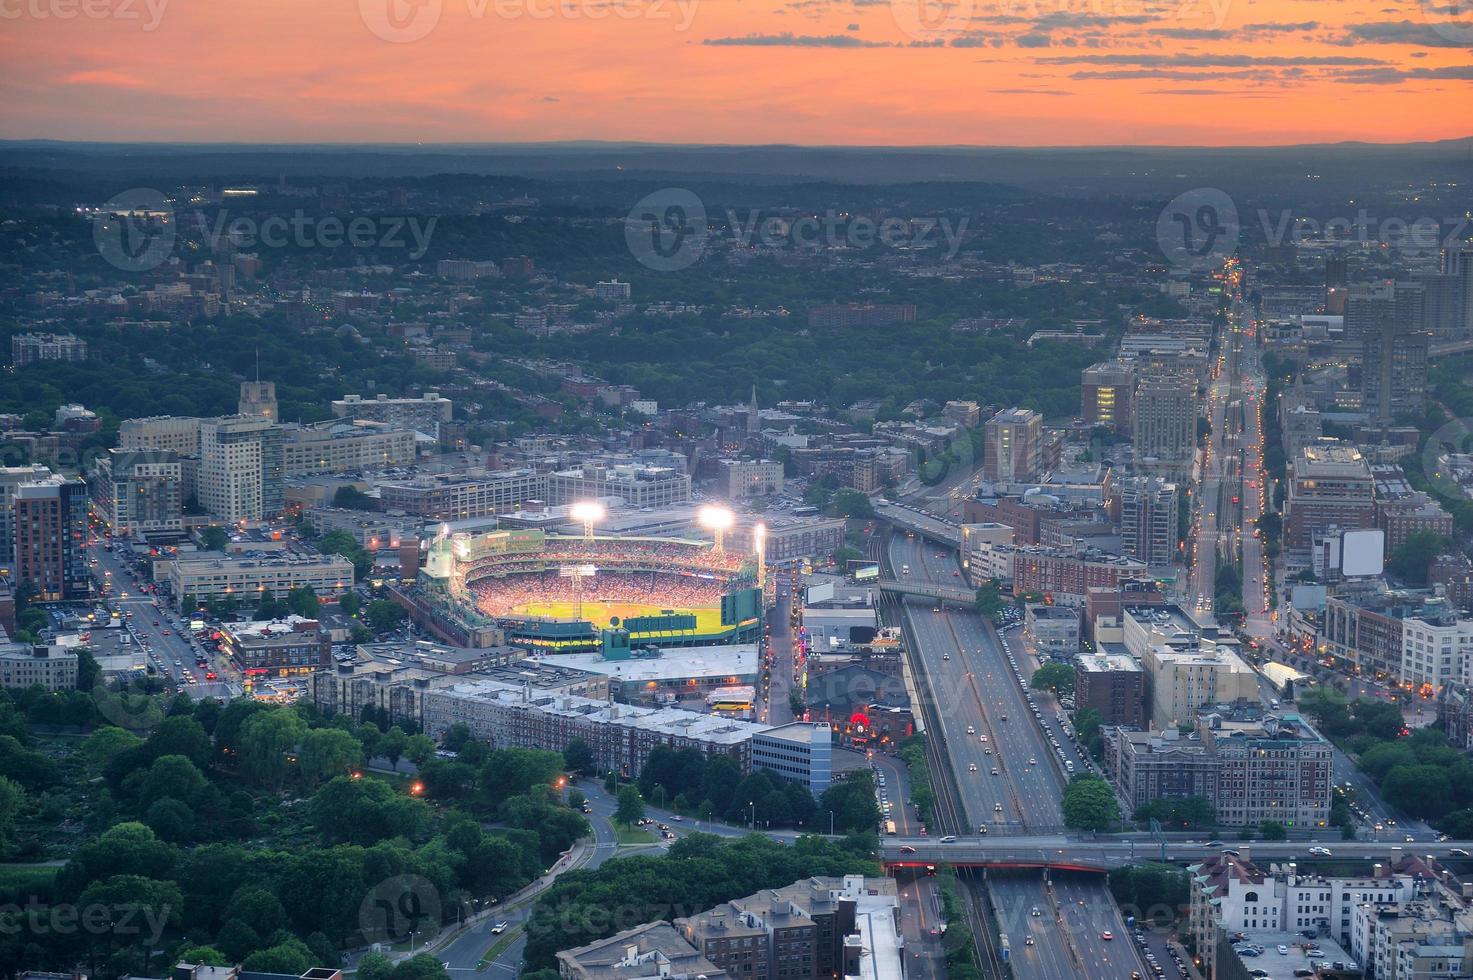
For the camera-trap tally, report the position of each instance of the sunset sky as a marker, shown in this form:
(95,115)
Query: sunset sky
(877,72)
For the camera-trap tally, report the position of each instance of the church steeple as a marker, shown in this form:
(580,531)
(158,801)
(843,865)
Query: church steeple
(754,420)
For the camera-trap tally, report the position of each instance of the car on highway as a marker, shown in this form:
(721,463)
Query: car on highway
(971,730)
(972,767)
(994,770)
(1457,852)
(949,839)
(1035,912)
(1107,934)
(997,808)
(1032,761)
(1322,852)
(498,929)
(1028,941)
(907,849)
(946,656)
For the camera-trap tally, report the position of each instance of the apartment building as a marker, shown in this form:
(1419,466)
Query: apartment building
(138,492)
(1148,766)
(240,471)
(1329,486)
(645,952)
(1273,767)
(12,477)
(1012,446)
(1106,391)
(28,348)
(51,667)
(1147,509)
(1066,577)
(1113,684)
(1164,422)
(49,524)
(421,414)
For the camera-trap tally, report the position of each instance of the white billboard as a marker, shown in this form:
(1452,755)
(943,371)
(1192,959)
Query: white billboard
(1362,552)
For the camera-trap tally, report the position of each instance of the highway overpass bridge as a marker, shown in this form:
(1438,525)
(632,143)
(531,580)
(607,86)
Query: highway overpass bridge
(919,522)
(1070,854)
(943,593)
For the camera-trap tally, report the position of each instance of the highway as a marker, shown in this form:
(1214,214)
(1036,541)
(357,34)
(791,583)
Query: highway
(1018,781)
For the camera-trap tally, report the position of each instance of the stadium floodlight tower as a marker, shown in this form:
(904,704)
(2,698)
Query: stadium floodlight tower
(590,512)
(759,545)
(717,520)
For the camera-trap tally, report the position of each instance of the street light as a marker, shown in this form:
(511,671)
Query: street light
(589,512)
(718,521)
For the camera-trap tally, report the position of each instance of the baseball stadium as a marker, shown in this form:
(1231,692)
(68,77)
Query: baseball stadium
(566,593)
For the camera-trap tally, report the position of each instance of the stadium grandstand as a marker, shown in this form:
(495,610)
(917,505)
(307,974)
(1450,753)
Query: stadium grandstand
(570,593)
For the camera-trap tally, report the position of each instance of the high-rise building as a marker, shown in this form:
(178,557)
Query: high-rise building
(1330,486)
(1012,446)
(240,458)
(1393,367)
(1148,519)
(1458,262)
(139,491)
(12,477)
(258,400)
(50,538)
(1164,420)
(1105,393)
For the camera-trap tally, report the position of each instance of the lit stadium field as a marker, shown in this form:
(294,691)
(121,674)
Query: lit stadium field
(602,614)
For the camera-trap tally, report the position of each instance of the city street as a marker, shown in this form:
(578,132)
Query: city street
(159,631)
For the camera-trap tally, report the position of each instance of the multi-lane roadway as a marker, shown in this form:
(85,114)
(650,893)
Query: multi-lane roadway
(1008,774)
